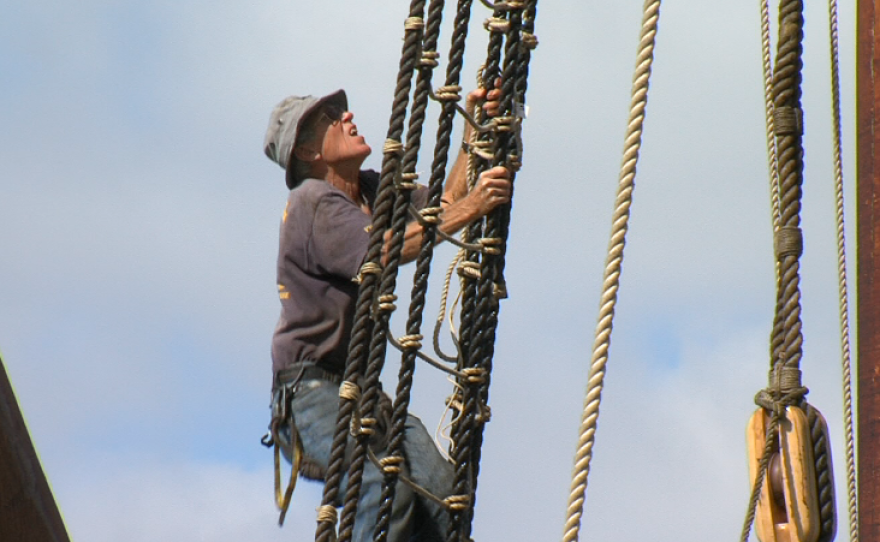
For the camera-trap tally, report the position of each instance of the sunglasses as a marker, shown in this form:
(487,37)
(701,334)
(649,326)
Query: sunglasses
(333,113)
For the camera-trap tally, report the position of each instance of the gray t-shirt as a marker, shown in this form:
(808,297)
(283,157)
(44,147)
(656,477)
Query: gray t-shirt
(324,240)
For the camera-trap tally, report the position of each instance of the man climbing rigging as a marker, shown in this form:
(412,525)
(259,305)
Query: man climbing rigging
(323,242)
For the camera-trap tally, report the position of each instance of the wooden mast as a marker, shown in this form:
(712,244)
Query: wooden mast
(27,509)
(868,286)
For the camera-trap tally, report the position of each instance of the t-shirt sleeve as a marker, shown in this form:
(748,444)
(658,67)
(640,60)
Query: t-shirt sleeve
(339,238)
(369,180)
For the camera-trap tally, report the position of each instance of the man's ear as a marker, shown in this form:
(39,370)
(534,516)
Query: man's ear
(305,154)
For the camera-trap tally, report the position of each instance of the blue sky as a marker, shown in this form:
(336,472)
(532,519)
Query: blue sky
(140,220)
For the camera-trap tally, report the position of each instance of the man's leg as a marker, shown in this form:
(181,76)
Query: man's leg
(432,471)
(315,409)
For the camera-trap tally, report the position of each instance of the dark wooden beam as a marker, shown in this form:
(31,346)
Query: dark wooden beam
(27,508)
(868,287)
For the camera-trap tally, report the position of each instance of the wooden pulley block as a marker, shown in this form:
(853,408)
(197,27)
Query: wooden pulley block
(788,508)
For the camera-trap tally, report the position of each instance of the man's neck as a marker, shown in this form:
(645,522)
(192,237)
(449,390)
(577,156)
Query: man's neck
(348,181)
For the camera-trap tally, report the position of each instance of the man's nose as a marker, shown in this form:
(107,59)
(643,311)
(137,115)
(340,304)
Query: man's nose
(347,116)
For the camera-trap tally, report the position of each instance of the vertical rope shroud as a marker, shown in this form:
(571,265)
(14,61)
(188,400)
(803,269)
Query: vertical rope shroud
(362,327)
(846,363)
(396,454)
(463,430)
(423,263)
(491,285)
(788,339)
(613,269)
(786,342)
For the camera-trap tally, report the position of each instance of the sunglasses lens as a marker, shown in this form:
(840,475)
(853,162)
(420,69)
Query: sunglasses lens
(333,113)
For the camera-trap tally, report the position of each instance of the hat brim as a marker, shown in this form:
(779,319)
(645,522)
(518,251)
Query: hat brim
(338,99)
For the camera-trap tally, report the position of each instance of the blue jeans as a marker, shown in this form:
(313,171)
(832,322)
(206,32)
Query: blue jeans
(314,407)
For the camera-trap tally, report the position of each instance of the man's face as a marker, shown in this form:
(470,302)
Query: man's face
(341,141)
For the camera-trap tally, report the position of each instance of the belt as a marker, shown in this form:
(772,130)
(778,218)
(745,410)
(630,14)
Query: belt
(305,371)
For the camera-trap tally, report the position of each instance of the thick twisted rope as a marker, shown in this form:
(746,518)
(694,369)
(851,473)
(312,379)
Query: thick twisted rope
(824,478)
(611,280)
(362,327)
(471,338)
(492,269)
(787,123)
(386,297)
(788,339)
(842,283)
(423,263)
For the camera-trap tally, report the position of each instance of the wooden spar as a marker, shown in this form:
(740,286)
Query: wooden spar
(868,286)
(27,509)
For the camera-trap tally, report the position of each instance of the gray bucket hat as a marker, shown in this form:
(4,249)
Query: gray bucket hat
(285,123)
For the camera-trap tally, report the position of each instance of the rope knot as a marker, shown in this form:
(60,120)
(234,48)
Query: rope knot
(369,268)
(431,215)
(504,124)
(406,181)
(349,391)
(386,303)
(481,149)
(448,93)
(784,389)
(457,503)
(391,464)
(475,375)
(788,241)
(469,270)
(788,120)
(411,341)
(496,24)
(785,379)
(362,426)
(529,40)
(491,245)
(454,402)
(429,59)
(392,147)
(327,514)
(413,23)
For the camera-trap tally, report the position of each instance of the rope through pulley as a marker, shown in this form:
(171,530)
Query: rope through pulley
(792,487)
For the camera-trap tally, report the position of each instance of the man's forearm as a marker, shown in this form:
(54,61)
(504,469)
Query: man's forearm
(456,182)
(453,218)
